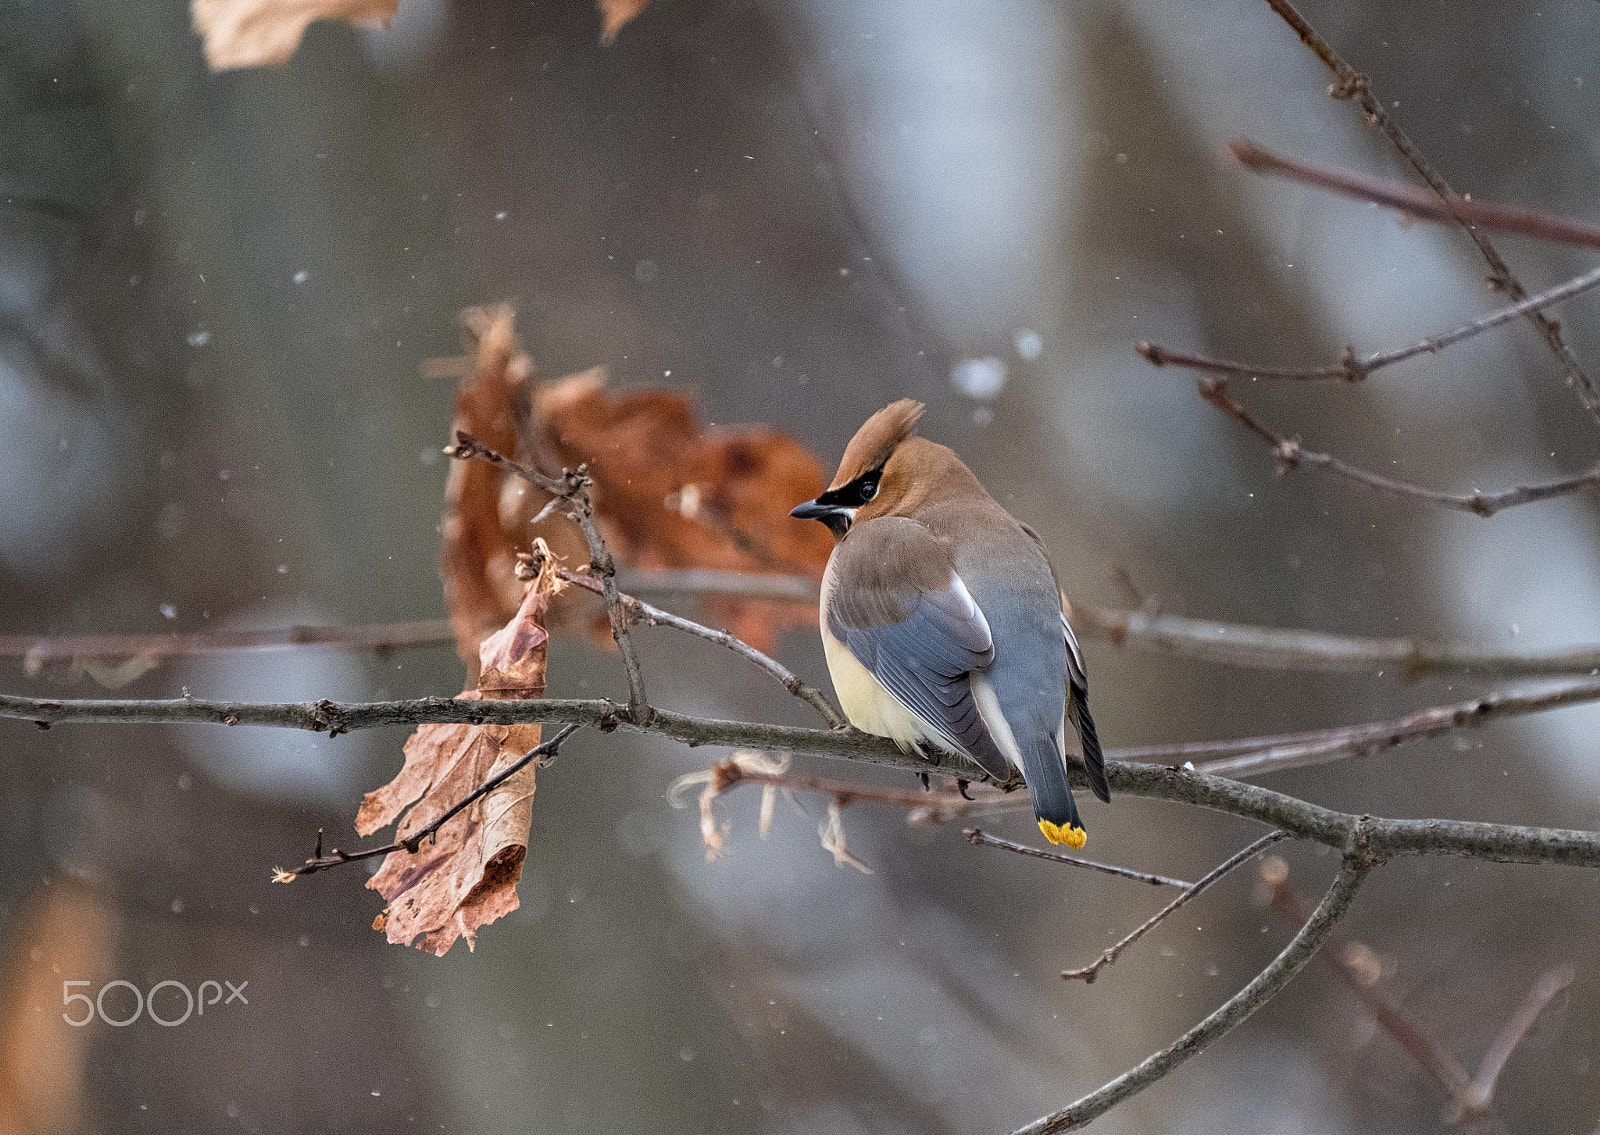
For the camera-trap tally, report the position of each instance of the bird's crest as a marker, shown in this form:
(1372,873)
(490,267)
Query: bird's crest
(877,439)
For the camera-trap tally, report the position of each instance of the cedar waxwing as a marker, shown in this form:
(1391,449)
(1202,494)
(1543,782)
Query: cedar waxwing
(942,621)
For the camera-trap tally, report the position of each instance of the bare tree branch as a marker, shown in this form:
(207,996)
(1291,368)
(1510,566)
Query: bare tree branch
(1354,369)
(1300,750)
(980,838)
(1350,84)
(1233,1012)
(573,487)
(1091,971)
(639,610)
(1290,454)
(1419,204)
(1504,843)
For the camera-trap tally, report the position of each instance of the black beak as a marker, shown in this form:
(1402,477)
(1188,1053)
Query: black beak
(811,510)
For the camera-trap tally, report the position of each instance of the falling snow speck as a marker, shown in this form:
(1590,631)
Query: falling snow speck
(979,378)
(168,611)
(199,338)
(301,276)
(1028,344)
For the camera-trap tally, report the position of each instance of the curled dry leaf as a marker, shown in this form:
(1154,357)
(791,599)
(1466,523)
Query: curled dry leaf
(466,876)
(264,33)
(480,546)
(831,832)
(717,779)
(669,493)
(617,14)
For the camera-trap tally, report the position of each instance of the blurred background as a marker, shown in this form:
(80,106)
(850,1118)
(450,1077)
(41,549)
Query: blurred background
(216,291)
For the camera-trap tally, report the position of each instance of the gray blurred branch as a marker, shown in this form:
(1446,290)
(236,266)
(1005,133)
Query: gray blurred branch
(1470,1098)
(1420,204)
(1290,454)
(1300,750)
(1233,644)
(1235,1011)
(1272,648)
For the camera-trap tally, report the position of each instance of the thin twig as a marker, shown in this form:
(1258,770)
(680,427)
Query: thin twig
(411,843)
(1290,454)
(1468,1098)
(1352,84)
(1258,755)
(1480,1093)
(1089,972)
(1343,955)
(1505,843)
(1274,648)
(980,838)
(1232,1013)
(639,610)
(573,486)
(1419,204)
(1354,369)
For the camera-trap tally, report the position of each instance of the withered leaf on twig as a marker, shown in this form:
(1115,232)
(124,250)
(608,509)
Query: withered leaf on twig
(263,33)
(669,492)
(466,876)
(480,545)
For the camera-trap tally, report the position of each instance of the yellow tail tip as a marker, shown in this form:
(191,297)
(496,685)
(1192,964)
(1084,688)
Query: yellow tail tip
(1069,834)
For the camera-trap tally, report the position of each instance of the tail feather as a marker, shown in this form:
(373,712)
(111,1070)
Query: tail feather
(1046,773)
(1093,759)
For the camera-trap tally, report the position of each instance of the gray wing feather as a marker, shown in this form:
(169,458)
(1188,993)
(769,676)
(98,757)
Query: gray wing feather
(905,615)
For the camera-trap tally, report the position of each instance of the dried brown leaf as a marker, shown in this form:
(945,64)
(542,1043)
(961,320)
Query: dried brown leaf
(671,493)
(615,15)
(479,549)
(264,33)
(465,876)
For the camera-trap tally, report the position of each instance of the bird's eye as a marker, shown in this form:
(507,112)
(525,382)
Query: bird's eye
(869,489)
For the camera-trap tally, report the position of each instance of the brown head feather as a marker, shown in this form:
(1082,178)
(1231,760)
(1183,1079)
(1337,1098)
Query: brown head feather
(877,439)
